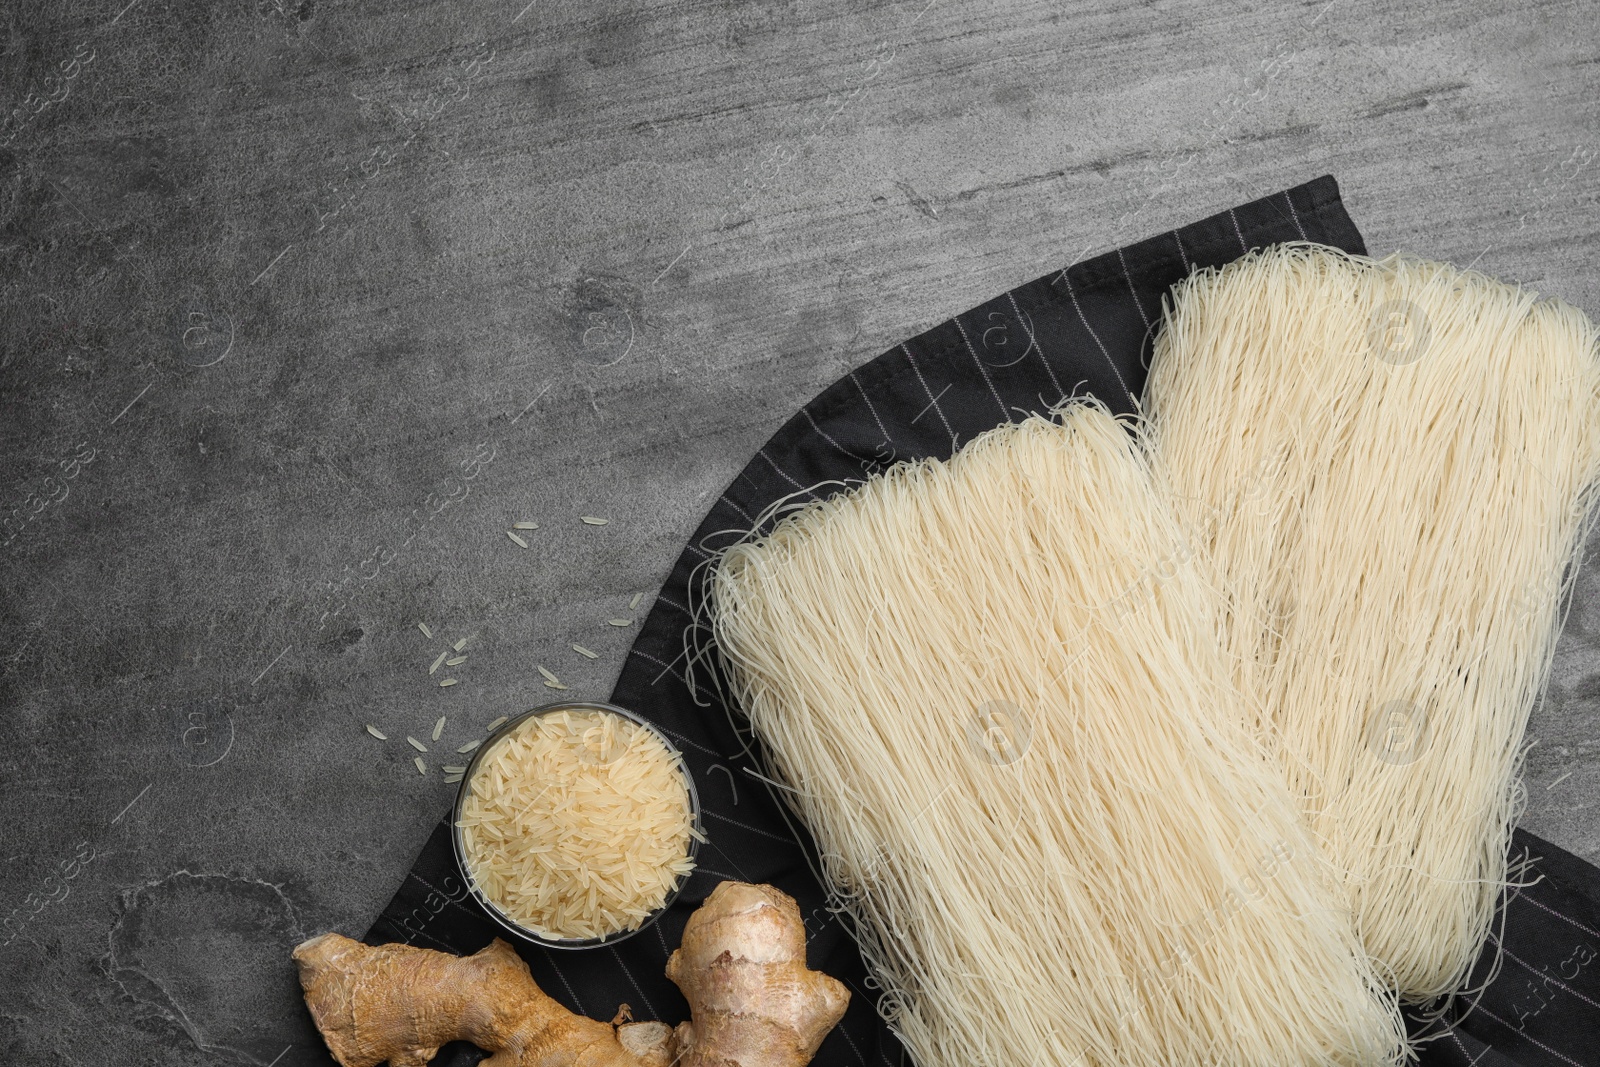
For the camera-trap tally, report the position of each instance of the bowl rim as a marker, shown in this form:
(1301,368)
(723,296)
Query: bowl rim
(503,920)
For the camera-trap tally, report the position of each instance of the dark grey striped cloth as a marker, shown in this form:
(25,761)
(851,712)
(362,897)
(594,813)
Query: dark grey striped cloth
(1086,329)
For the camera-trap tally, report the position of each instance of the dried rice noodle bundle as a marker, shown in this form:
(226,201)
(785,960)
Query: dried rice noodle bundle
(1390,463)
(994,687)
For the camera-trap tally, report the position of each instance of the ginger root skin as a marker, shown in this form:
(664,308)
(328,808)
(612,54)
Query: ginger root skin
(741,967)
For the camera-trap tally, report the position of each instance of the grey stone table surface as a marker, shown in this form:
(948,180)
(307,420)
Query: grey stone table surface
(304,303)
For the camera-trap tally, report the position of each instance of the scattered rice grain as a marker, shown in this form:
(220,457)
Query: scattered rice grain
(438,661)
(455,662)
(438,728)
(459,645)
(447,681)
(468,747)
(422,768)
(517,539)
(556,685)
(418,745)
(524,526)
(595,520)
(425,631)
(547,675)
(633,605)
(375,732)
(580,650)
(620,622)
(497,723)
(452,779)
(454,770)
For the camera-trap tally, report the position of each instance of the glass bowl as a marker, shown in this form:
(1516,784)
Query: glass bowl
(510,925)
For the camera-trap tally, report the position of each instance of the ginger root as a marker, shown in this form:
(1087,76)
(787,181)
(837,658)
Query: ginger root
(741,967)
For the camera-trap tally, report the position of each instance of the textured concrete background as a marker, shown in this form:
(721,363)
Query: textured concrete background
(305,302)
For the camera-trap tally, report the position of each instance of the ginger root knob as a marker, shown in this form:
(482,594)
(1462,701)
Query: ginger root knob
(741,967)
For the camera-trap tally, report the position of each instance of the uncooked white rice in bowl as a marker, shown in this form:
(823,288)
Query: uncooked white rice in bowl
(576,824)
